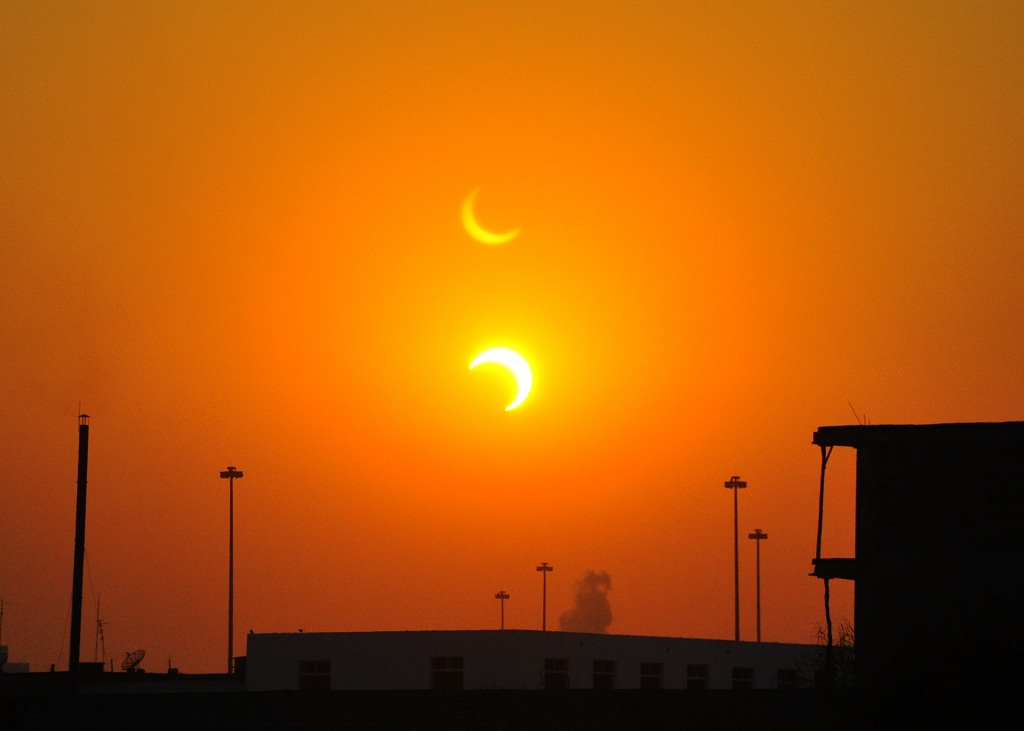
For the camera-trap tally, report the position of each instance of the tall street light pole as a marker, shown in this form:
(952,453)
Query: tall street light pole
(502,595)
(230,474)
(79,559)
(544,606)
(735,484)
(757,537)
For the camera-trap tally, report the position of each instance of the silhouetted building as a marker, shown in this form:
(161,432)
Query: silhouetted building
(518,660)
(937,571)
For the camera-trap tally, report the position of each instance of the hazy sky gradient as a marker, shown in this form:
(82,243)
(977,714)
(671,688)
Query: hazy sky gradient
(231,233)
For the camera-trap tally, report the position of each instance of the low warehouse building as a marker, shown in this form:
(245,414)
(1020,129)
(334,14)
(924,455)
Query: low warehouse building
(518,659)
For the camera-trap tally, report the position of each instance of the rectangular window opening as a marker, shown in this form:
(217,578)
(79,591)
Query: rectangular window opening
(787,679)
(696,677)
(446,673)
(742,678)
(604,674)
(314,674)
(556,673)
(650,675)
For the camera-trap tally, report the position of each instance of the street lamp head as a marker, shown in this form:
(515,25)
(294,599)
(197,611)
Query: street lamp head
(230,473)
(502,595)
(757,535)
(544,567)
(735,482)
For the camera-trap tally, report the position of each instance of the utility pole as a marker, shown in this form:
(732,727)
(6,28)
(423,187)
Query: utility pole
(544,568)
(74,650)
(736,484)
(757,537)
(230,474)
(502,595)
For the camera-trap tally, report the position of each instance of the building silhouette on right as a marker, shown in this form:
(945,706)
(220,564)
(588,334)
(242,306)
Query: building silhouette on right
(938,571)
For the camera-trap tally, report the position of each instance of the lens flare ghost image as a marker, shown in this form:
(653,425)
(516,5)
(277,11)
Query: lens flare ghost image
(478,232)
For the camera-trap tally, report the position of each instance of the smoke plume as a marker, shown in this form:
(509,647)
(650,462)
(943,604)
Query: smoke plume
(592,612)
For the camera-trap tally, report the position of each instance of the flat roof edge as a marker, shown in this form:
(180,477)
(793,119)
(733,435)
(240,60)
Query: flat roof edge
(855,435)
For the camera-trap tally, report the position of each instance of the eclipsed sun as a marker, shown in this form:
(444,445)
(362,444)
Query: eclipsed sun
(516,365)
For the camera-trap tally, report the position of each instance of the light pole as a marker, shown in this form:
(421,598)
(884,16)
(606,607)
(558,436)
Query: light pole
(758,536)
(544,568)
(74,652)
(735,484)
(230,474)
(502,595)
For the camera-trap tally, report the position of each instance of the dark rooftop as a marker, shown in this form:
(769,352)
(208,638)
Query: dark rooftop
(857,435)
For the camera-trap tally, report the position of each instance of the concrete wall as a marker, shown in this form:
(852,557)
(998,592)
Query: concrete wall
(61,682)
(940,578)
(938,556)
(510,659)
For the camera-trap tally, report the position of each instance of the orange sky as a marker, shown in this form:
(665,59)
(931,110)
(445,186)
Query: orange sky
(232,234)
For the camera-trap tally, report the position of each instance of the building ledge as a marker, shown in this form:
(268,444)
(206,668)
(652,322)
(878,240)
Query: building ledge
(834,568)
(858,435)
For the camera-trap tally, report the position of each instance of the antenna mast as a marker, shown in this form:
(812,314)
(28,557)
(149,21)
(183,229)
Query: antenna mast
(101,643)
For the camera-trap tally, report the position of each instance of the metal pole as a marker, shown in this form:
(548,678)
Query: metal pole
(544,568)
(758,536)
(231,571)
(735,483)
(502,595)
(74,651)
(230,474)
(821,497)
(758,544)
(736,555)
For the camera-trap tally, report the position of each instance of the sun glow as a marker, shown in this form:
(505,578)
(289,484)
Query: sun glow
(517,366)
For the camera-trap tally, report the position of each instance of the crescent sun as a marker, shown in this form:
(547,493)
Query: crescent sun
(477,231)
(516,365)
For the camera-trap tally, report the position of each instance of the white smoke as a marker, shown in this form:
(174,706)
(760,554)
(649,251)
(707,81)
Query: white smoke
(592,612)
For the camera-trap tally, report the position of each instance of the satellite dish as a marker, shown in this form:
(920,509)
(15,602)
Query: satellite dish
(131,660)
